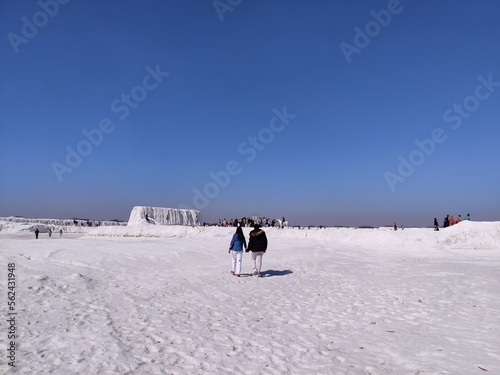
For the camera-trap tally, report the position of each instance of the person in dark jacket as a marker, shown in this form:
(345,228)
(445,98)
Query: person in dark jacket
(436,225)
(257,244)
(36,233)
(446,221)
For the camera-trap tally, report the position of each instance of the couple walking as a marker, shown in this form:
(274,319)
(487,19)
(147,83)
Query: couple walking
(257,244)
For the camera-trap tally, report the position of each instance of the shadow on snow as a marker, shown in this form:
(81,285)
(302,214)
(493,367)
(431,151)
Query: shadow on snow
(270,273)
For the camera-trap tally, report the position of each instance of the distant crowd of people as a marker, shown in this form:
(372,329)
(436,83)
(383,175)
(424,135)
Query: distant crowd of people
(82,223)
(450,220)
(37,232)
(250,222)
(87,223)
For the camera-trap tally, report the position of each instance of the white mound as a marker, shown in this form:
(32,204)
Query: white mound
(19,224)
(142,215)
(466,235)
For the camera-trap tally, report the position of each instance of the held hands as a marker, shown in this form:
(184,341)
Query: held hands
(229,251)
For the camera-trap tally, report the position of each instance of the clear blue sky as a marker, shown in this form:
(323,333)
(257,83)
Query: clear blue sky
(174,90)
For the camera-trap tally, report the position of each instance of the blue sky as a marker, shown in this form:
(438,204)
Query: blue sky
(175,93)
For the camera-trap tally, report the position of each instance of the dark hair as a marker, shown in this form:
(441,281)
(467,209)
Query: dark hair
(240,234)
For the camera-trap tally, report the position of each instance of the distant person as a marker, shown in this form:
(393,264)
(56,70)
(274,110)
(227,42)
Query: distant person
(436,225)
(459,219)
(238,242)
(446,221)
(36,233)
(395,226)
(452,220)
(60,232)
(50,232)
(257,244)
(467,217)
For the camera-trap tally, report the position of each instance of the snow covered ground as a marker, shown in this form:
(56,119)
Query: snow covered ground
(161,300)
(20,224)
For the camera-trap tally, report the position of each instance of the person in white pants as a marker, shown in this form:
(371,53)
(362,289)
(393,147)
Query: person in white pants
(257,262)
(257,244)
(238,242)
(236,262)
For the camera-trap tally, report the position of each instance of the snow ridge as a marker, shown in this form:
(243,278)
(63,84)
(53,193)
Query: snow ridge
(143,215)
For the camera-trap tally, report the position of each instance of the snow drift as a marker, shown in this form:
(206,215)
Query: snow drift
(466,235)
(20,224)
(142,215)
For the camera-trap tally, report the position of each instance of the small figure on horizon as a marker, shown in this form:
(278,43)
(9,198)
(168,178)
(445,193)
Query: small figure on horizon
(395,226)
(459,219)
(436,225)
(36,233)
(60,232)
(446,221)
(50,232)
(467,217)
(452,220)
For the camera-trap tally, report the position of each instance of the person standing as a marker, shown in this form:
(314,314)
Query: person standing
(238,242)
(257,244)
(446,222)
(50,232)
(36,233)
(467,217)
(436,225)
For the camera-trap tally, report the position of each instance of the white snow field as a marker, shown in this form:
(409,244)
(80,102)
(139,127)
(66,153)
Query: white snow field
(161,300)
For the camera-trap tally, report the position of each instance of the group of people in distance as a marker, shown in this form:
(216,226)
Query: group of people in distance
(449,220)
(257,244)
(249,222)
(49,231)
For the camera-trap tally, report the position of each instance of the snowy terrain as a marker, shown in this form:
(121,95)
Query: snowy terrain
(144,215)
(20,224)
(161,300)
